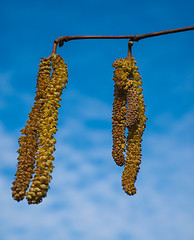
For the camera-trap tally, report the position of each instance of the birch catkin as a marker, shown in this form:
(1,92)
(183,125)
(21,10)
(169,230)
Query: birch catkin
(128,112)
(118,125)
(135,132)
(132,107)
(119,110)
(37,143)
(28,142)
(48,127)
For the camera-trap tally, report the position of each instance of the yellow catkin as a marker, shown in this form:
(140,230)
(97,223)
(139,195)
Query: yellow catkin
(28,140)
(123,86)
(118,125)
(48,127)
(132,107)
(134,138)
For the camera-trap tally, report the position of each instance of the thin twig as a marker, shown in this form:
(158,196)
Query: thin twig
(54,50)
(131,37)
(130,44)
(136,38)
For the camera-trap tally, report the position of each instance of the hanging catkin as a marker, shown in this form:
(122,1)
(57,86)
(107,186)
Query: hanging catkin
(122,79)
(118,125)
(132,107)
(128,111)
(48,127)
(37,142)
(28,140)
(135,132)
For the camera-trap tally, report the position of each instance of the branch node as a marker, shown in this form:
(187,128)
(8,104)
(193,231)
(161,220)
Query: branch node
(66,39)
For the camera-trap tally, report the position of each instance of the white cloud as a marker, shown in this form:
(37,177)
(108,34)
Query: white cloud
(86,107)
(7,91)
(86,200)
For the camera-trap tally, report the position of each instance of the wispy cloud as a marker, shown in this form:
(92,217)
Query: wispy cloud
(86,200)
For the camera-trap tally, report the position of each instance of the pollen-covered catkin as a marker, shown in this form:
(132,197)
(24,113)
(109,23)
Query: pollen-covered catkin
(119,111)
(48,127)
(134,138)
(132,107)
(123,86)
(28,140)
(118,125)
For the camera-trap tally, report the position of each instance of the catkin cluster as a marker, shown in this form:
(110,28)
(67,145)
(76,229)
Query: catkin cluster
(38,143)
(128,113)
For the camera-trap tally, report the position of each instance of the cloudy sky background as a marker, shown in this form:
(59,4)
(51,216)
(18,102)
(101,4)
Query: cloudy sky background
(86,200)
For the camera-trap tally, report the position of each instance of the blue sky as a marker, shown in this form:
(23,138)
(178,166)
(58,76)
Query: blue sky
(86,200)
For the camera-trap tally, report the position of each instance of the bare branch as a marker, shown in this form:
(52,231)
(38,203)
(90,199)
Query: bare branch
(131,37)
(136,38)
(143,36)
